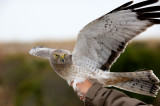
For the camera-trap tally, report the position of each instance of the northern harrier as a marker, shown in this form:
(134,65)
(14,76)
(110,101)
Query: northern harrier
(98,46)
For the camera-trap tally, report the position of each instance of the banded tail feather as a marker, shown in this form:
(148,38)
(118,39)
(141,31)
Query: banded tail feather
(143,82)
(140,87)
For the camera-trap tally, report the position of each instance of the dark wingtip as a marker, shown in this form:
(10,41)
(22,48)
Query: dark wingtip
(141,4)
(122,7)
(154,21)
(147,13)
(145,16)
(148,9)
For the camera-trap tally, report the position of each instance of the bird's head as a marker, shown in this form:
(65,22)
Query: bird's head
(60,56)
(56,56)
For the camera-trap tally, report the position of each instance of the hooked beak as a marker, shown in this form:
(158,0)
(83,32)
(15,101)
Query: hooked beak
(62,59)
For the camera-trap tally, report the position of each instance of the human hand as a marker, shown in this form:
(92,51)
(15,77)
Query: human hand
(83,88)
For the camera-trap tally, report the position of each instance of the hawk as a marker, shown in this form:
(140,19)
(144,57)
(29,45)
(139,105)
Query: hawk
(98,46)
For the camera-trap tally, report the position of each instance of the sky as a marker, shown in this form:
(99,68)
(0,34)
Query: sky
(39,20)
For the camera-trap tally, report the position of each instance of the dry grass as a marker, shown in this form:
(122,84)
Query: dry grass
(13,48)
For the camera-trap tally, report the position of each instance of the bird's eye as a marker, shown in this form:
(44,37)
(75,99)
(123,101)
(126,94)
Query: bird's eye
(56,55)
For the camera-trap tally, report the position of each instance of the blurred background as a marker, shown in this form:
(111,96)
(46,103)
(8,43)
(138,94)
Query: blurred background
(26,80)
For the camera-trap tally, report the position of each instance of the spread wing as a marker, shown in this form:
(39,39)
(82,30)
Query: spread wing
(41,52)
(102,41)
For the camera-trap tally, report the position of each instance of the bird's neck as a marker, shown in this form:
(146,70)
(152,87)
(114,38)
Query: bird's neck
(62,69)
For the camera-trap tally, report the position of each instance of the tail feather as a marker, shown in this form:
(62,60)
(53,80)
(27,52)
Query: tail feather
(140,87)
(143,82)
(147,75)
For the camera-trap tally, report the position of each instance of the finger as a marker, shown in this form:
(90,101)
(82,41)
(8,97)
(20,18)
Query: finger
(79,94)
(81,98)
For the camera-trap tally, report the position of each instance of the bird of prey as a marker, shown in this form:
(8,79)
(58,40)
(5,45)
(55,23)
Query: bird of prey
(98,46)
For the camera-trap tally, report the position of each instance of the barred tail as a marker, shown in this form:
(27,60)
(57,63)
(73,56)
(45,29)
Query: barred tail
(143,82)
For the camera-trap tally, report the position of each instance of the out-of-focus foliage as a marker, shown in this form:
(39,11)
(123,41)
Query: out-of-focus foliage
(26,80)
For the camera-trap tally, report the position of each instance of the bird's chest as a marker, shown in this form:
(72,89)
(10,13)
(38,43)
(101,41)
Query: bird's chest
(66,72)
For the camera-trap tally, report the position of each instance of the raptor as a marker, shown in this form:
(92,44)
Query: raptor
(98,46)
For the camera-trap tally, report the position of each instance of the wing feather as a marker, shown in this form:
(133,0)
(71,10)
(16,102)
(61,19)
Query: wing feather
(104,39)
(41,52)
(141,4)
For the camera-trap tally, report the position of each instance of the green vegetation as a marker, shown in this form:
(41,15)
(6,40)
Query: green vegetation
(137,57)
(29,81)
